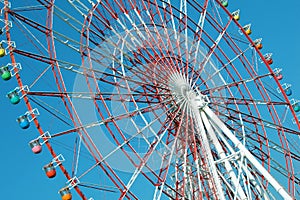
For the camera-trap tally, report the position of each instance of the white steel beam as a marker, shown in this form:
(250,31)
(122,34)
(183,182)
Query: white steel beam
(212,166)
(223,156)
(238,144)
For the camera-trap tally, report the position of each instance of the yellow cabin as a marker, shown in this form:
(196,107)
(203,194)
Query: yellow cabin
(2,51)
(247,29)
(236,15)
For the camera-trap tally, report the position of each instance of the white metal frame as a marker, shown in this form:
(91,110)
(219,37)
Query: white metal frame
(19,90)
(209,118)
(72,182)
(285,86)
(6,24)
(245,28)
(16,67)
(34,112)
(58,160)
(9,44)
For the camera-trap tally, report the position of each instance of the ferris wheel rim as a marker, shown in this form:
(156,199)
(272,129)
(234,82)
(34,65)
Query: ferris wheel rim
(29,107)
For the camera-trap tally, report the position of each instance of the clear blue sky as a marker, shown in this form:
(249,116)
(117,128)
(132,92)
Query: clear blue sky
(22,176)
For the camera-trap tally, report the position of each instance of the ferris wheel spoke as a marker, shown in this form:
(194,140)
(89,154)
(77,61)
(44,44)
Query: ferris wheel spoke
(199,30)
(167,158)
(127,141)
(152,147)
(80,7)
(52,110)
(68,19)
(163,48)
(143,75)
(222,68)
(153,74)
(43,29)
(87,95)
(38,57)
(182,52)
(235,83)
(259,120)
(29,22)
(216,9)
(242,101)
(71,66)
(168,7)
(184,10)
(141,34)
(212,50)
(28,8)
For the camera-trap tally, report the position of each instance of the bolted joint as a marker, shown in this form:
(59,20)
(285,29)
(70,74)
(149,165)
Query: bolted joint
(201,101)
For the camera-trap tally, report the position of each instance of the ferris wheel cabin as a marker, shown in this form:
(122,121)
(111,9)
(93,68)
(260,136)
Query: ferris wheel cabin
(5,73)
(50,170)
(13,97)
(65,194)
(2,51)
(36,147)
(23,121)
(224,3)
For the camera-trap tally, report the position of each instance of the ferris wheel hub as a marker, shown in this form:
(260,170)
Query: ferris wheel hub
(183,92)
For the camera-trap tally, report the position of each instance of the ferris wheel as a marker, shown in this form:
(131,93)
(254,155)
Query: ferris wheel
(150,99)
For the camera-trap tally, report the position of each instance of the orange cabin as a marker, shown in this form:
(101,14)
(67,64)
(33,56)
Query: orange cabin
(268,58)
(259,46)
(65,194)
(270,61)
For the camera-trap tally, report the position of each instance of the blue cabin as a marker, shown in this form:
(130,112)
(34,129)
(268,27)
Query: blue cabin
(23,121)
(288,91)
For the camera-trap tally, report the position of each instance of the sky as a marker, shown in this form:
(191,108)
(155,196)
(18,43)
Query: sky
(22,176)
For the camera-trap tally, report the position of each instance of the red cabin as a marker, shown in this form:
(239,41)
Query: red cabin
(50,170)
